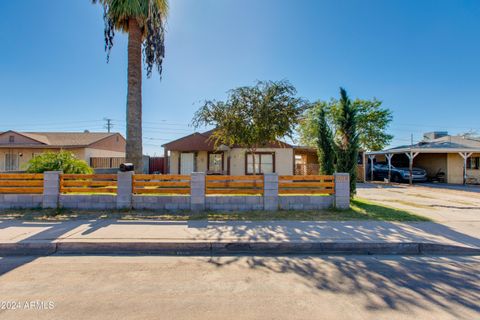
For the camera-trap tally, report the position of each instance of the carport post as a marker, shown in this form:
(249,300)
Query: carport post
(465,156)
(389,159)
(371,157)
(411,156)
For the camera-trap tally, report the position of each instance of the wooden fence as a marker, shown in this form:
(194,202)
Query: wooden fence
(21,183)
(306,184)
(16,183)
(234,184)
(161,184)
(88,183)
(106,162)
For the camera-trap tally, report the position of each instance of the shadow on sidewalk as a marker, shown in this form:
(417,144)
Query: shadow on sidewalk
(321,231)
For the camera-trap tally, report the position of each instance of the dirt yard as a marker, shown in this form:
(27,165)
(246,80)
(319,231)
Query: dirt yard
(456,206)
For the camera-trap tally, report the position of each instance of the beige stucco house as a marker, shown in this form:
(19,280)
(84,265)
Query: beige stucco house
(197,153)
(458,157)
(17,148)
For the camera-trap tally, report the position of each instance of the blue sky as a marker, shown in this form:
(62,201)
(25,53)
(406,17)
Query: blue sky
(422,58)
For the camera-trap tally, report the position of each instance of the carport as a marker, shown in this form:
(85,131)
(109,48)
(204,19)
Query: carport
(458,156)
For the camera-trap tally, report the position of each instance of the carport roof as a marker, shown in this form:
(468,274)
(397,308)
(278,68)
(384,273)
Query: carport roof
(447,144)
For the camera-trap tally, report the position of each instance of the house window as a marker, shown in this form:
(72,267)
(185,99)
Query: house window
(11,139)
(11,162)
(215,163)
(264,163)
(473,163)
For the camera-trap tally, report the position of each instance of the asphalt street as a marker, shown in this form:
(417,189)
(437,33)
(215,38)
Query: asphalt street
(240,287)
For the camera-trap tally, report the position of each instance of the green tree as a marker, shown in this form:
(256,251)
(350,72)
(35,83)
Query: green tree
(372,123)
(325,144)
(144,21)
(58,161)
(347,139)
(253,116)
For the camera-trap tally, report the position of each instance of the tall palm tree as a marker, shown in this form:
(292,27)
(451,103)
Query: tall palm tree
(144,21)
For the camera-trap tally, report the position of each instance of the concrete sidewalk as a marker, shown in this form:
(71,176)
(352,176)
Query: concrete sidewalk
(202,236)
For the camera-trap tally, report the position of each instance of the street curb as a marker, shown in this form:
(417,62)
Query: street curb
(27,249)
(232,248)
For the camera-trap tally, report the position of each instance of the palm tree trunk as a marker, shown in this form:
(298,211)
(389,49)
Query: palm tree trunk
(134,96)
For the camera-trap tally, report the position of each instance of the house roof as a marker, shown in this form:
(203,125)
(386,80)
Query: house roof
(447,144)
(58,139)
(202,142)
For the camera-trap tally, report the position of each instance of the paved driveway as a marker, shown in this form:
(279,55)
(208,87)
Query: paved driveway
(455,206)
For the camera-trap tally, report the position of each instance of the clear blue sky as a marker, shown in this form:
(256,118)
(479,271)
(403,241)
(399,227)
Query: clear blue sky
(422,58)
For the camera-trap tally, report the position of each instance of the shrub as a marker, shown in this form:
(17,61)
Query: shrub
(58,161)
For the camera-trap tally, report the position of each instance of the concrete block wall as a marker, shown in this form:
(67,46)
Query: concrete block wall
(21,201)
(238,203)
(197,191)
(124,190)
(51,189)
(87,202)
(306,202)
(161,202)
(270,191)
(342,191)
(196,201)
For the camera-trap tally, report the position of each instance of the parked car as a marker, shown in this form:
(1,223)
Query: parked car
(401,174)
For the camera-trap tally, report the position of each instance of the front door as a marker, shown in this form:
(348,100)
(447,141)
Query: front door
(187,163)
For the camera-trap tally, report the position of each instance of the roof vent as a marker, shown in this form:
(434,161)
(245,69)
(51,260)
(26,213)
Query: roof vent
(434,135)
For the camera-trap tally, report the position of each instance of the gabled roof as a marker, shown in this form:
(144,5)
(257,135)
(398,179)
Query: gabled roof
(193,142)
(61,139)
(202,142)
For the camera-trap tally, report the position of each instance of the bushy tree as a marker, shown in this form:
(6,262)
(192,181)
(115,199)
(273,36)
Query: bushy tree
(58,161)
(325,145)
(372,123)
(347,139)
(251,117)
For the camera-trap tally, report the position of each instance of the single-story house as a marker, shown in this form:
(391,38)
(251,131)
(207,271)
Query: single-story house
(458,157)
(17,148)
(196,152)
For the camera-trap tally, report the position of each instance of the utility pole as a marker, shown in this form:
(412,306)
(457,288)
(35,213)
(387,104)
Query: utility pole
(109,124)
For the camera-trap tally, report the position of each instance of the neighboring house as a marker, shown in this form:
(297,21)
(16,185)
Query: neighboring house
(455,156)
(196,152)
(17,148)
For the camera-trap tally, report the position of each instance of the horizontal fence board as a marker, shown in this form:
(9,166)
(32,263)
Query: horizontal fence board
(21,190)
(88,176)
(233,184)
(306,191)
(160,177)
(21,183)
(21,176)
(88,183)
(88,190)
(235,178)
(162,191)
(305,184)
(234,191)
(161,184)
(307,178)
